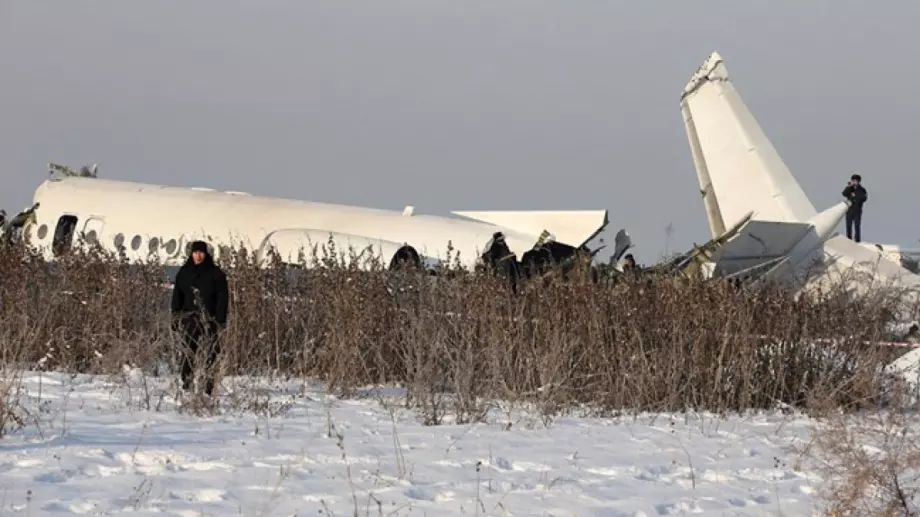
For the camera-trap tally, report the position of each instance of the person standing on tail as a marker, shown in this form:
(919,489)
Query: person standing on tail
(856,194)
(199,309)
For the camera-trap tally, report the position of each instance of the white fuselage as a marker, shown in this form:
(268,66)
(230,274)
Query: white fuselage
(142,220)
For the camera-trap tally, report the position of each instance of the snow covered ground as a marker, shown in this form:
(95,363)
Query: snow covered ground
(96,452)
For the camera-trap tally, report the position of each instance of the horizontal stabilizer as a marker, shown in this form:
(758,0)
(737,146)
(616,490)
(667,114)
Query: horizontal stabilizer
(759,241)
(572,227)
(759,273)
(762,240)
(768,270)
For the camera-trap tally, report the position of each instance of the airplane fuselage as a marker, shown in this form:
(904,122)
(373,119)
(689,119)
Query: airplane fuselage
(144,221)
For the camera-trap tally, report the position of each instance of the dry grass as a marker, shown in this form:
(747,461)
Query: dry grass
(462,341)
(870,463)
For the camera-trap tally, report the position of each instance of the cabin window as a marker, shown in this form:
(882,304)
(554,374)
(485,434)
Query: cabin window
(153,245)
(42,231)
(119,241)
(171,246)
(63,234)
(136,243)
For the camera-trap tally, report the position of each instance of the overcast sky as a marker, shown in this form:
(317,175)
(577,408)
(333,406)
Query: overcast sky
(449,105)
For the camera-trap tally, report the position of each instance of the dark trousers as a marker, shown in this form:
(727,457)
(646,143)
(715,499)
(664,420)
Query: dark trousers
(198,335)
(854,220)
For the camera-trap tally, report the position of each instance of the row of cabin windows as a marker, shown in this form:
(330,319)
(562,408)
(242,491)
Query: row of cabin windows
(67,224)
(66,228)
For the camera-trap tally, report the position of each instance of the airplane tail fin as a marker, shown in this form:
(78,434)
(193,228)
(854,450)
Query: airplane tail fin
(737,166)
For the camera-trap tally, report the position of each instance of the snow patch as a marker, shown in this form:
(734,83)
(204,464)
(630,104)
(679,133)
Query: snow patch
(99,454)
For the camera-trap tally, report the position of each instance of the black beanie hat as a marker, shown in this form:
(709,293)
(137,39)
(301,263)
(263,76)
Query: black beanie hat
(199,246)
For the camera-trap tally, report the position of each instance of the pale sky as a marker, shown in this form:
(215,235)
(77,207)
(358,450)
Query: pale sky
(452,105)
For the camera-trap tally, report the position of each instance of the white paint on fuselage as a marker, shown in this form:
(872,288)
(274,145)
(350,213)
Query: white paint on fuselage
(147,218)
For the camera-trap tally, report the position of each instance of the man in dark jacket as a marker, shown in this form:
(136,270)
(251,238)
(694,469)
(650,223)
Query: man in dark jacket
(629,263)
(199,309)
(501,260)
(857,195)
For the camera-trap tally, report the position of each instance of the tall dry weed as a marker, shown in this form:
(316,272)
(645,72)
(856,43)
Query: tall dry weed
(868,460)
(460,339)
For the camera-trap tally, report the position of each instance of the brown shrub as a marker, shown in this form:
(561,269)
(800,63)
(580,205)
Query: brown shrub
(869,462)
(462,339)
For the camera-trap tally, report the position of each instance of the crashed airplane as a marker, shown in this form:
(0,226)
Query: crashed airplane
(774,226)
(132,219)
(776,233)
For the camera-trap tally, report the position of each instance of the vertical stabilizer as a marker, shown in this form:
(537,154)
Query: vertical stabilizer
(733,156)
(710,201)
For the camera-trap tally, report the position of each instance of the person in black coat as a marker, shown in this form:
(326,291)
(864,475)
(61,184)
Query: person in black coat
(501,260)
(199,309)
(857,195)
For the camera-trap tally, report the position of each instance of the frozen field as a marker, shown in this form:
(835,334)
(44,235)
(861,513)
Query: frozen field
(97,453)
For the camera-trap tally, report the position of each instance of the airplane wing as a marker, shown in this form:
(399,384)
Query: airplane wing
(572,227)
(909,258)
(843,254)
(893,250)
